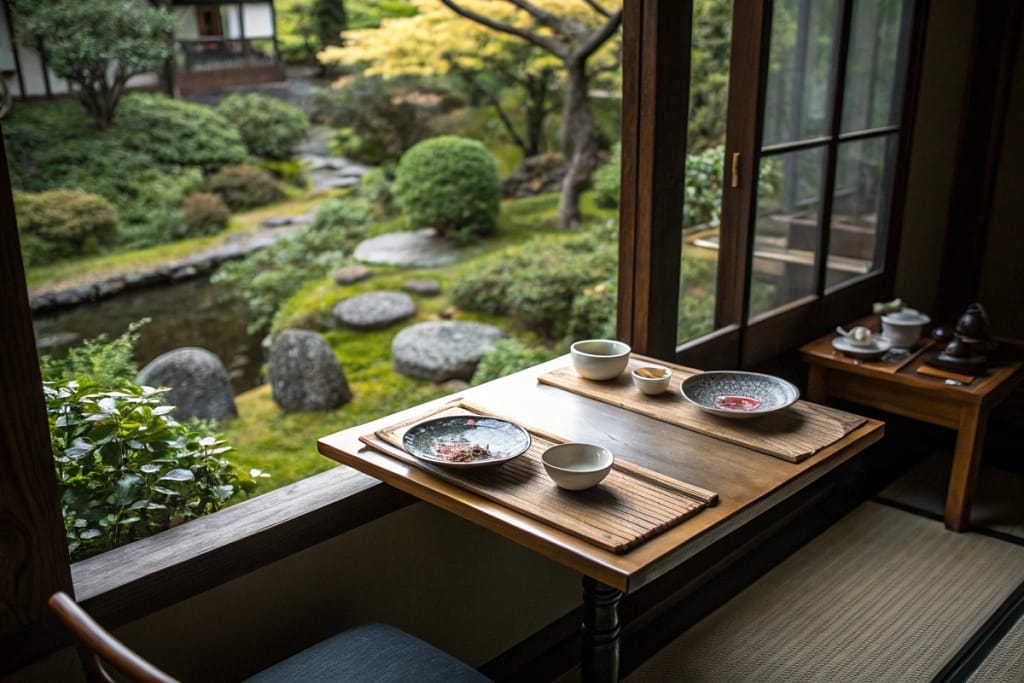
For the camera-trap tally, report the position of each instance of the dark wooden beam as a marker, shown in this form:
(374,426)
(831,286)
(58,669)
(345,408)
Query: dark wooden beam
(994,44)
(33,554)
(656,79)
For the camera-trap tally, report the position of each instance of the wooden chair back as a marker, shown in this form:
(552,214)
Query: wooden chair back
(97,647)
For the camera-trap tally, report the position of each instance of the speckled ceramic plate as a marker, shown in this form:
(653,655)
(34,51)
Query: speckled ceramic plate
(876,349)
(737,394)
(466,441)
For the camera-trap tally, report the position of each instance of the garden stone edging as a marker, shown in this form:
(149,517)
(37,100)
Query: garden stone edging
(442,350)
(183,269)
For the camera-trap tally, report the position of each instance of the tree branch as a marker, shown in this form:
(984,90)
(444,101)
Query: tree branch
(555,47)
(597,8)
(597,38)
(563,25)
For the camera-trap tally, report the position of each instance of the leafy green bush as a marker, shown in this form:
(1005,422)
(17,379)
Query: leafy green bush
(62,223)
(205,213)
(269,127)
(537,284)
(178,132)
(288,172)
(509,355)
(145,164)
(126,468)
(451,184)
(244,187)
(607,180)
(594,312)
(267,277)
(110,363)
(375,187)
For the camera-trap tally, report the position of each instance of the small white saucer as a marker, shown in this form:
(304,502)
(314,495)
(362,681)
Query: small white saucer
(876,349)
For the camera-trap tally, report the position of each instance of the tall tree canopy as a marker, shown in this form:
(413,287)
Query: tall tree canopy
(571,31)
(97,45)
(499,42)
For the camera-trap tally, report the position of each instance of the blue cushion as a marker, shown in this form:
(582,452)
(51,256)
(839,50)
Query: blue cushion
(373,652)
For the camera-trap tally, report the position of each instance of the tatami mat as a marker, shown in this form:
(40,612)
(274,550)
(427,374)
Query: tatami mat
(998,499)
(1005,664)
(883,595)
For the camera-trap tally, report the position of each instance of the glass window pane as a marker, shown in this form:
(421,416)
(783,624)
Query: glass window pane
(709,90)
(863,173)
(872,95)
(787,230)
(802,55)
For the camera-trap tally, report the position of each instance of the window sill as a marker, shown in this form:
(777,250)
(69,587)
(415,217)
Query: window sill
(129,582)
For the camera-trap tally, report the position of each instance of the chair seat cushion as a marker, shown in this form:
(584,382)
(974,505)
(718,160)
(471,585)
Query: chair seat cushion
(372,652)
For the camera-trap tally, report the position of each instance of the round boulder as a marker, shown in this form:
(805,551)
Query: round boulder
(423,287)
(199,384)
(304,373)
(373,310)
(442,350)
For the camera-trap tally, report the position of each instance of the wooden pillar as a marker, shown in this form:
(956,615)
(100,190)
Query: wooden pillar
(33,555)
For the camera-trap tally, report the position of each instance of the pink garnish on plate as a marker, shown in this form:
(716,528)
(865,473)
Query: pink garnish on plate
(744,403)
(470,421)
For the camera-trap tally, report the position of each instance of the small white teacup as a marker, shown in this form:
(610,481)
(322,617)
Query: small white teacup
(858,336)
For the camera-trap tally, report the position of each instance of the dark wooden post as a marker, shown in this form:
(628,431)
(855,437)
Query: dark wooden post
(33,555)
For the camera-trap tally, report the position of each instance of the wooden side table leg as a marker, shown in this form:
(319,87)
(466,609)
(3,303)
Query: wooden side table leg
(966,462)
(816,384)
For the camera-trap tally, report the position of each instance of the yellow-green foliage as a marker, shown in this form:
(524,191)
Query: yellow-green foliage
(61,223)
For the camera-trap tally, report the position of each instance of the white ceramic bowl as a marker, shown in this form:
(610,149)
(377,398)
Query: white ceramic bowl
(903,328)
(652,379)
(577,466)
(599,359)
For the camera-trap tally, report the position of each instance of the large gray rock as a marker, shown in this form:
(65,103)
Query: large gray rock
(304,373)
(199,384)
(442,350)
(373,310)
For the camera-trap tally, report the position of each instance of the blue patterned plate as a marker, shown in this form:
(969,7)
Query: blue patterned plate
(737,394)
(466,441)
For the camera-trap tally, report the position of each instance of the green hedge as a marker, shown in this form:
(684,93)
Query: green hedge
(451,184)
(63,223)
(244,187)
(269,127)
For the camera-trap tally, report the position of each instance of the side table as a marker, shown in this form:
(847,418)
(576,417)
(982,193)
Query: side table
(899,388)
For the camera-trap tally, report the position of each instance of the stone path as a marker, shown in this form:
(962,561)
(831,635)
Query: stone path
(419,249)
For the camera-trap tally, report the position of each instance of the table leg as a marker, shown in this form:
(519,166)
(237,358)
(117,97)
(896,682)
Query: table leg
(966,461)
(601,631)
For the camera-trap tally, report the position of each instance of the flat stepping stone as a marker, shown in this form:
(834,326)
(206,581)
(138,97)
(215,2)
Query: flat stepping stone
(442,350)
(422,287)
(373,310)
(419,249)
(352,274)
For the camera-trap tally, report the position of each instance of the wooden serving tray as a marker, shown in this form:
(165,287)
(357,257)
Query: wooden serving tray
(631,505)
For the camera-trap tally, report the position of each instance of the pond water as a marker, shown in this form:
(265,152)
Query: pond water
(189,313)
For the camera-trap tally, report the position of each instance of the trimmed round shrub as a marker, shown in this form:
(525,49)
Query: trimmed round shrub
(63,223)
(205,213)
(449,183)
(270,127)
(244,187)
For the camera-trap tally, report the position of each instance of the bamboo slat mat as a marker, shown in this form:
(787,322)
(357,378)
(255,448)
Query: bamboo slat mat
(631,505)
(793,434)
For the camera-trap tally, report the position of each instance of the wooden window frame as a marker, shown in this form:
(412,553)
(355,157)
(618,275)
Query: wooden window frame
(648,278)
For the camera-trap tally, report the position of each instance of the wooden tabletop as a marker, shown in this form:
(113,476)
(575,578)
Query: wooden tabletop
(748,483)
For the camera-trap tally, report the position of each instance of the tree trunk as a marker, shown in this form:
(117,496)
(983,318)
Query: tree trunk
(578,143)
(537,91)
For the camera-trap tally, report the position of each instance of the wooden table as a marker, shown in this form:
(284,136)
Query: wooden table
(901,389)
(749,484)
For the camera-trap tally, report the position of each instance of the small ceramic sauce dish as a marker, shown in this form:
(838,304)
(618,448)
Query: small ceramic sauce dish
(577,466)
(858,336)
(652,379)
